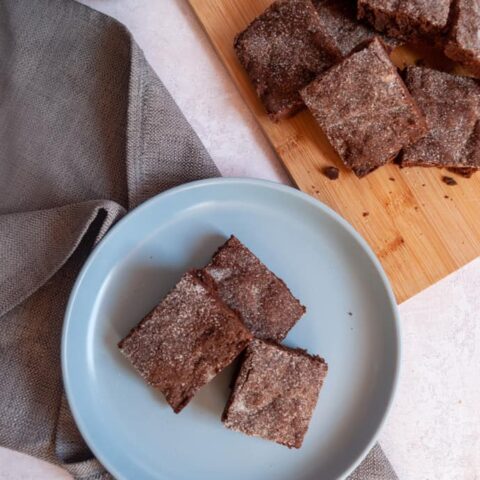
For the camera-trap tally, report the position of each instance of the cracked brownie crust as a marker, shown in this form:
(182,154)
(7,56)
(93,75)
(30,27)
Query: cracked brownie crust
(365,109)
(185,341)
(409,20)
(451,104)
(282,51)
(341,30)
(463,44)
(275,393)
(245,284)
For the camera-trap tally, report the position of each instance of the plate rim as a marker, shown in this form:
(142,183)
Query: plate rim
(286,189)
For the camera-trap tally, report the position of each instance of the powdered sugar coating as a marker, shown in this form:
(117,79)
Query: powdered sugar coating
(365,109)
(244,283)
(185,341)
(275,393)
(452,107)
(463,43)
(406,19)
(282,52)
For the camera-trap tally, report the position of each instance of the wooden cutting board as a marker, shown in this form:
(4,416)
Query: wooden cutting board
(420,228)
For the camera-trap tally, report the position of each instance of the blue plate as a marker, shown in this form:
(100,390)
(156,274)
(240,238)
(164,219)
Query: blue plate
(351,320)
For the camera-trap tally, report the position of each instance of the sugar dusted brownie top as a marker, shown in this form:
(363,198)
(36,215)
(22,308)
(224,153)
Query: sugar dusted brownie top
(406,19)
(244,283)
(275,393)
(365,109)
(281,52)
(452,107)
(185,341)
(341,31)
(463,44)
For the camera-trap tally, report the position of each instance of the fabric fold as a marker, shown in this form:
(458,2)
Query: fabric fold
(158,137)
(35,245)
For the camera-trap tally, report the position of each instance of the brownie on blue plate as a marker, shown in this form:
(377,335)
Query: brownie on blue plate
(275,393)
(185,341)
(245,284)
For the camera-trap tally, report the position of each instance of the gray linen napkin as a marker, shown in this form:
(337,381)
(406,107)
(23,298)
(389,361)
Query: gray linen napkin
(87,132)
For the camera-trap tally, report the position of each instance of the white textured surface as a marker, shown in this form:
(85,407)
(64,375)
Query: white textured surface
(180,53)
(433,432)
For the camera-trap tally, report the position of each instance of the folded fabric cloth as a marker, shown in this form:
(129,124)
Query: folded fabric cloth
(87,132)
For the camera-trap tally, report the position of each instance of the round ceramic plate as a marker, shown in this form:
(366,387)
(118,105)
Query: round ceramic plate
(351,321)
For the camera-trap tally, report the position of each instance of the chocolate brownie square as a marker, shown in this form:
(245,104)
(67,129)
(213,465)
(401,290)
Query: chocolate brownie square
(452,107)
(245,284)
(407,19)
(340,29)
(275,393)
(463,42)
(281,51)
(365,109)
(185,341)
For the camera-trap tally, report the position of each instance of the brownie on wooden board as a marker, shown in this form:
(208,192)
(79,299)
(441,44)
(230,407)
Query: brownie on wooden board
(365,109)
(245,284)
(185,341)
(464,172)
(281,51)
(407,19)
(451,104)
(275,393)
(340,29)
(463,43)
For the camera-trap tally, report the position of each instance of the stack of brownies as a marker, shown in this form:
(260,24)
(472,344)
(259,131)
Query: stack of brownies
(334,57)
(233,305)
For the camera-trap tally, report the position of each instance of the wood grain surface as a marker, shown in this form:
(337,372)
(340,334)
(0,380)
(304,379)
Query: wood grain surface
(420,228)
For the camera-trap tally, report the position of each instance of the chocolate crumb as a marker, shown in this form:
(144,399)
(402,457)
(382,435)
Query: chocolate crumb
(449,180)
(423,185)
(365,214)
(446,196)
(331,173)
(391,179)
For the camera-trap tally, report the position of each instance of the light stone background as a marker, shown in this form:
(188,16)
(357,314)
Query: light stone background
(433,432)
